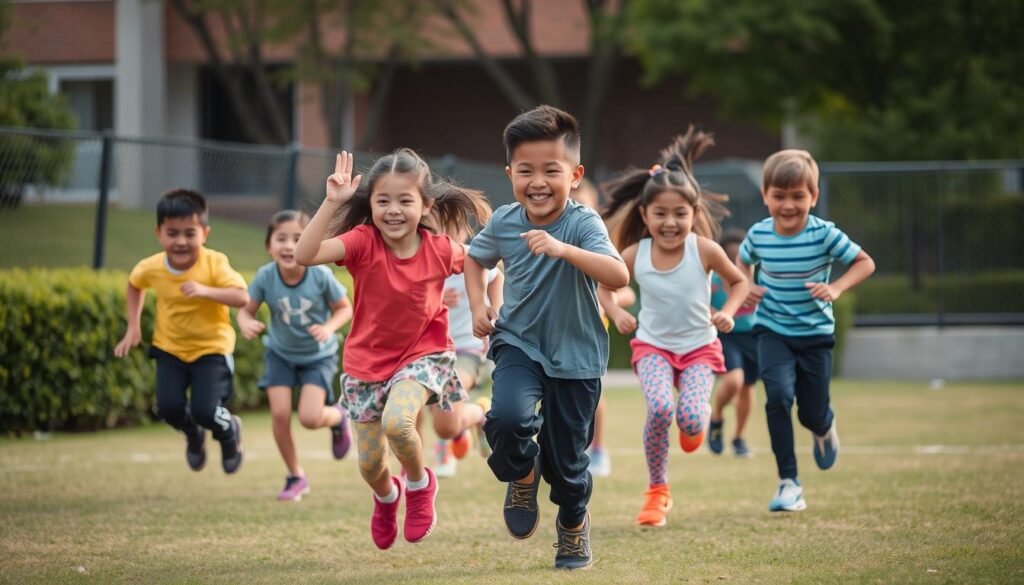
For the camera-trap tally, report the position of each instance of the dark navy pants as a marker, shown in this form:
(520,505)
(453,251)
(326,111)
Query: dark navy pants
(794,368)
(564,426)
(211,380)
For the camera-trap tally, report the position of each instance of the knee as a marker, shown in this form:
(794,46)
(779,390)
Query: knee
(446,428)
(398,425)
(310,420)
(281,417)
(499,424)
(372,469)
(170,411)
(204,415)
(659,416)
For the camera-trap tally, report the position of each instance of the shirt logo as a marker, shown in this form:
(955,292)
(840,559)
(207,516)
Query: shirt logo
(287,312)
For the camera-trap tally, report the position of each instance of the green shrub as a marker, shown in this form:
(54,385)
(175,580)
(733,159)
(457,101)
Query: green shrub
(58,329)
(986,292)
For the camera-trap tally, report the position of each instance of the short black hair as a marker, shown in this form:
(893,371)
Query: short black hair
(181,203)
(543,123)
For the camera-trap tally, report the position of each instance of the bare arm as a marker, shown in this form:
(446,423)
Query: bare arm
(606,270)
(312,248)
(341,313)
(476,282)
(496,291)
(861,268)
(611,301)
(249,325)
(230,296)
(756,292)
(716,259)
(134,298)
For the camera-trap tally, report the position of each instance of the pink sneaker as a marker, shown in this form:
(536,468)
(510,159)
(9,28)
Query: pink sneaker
(384,522)
(420,514)
(294,488)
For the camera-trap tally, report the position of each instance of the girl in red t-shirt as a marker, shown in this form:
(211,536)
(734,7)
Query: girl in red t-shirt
(398,355)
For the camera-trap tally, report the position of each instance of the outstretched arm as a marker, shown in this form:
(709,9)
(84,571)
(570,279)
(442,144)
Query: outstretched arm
(312,248)
(861,268)
(736,283)
(476,282)
(230,296)
(341,313)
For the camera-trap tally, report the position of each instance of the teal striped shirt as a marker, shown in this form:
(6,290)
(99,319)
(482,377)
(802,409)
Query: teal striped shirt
(787,263)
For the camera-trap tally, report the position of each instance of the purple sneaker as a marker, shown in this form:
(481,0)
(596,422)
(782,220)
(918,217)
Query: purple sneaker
(341,437)
(294,488)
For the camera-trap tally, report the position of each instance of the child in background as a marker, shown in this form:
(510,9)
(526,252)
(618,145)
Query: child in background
(739,347)
(472,367)
(795,326)
(398,355)
(307,307)
(600,459)
(667,246)
(193,340)
(548,345)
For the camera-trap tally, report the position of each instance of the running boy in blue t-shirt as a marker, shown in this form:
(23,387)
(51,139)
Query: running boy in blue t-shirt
(548,344)
(795,326)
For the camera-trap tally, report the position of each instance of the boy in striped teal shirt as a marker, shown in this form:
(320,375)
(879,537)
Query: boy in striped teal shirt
(795,326)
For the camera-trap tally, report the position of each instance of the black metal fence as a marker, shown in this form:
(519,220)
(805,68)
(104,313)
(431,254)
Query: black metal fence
(943,234)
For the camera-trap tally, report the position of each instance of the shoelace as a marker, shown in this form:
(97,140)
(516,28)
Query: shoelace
(571,544)
(522,496)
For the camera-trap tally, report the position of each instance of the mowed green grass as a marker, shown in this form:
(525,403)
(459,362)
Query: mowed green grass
(929,488)
(51,236)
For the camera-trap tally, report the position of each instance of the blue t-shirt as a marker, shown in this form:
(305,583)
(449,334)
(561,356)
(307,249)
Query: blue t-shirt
(550,311)
(787,263)
(294,308)
(744,319)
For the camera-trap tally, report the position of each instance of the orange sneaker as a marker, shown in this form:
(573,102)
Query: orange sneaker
(461,444)
(656,506)
(690,443)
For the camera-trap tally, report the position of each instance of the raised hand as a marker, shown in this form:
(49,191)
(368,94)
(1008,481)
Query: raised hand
(192,289)
(624,322)
(823,291)
(541,242)
(723,322)
(251,328)
(340,185)
(754,296)
(319,332)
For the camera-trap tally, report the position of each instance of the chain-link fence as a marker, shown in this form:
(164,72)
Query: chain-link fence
(943,234)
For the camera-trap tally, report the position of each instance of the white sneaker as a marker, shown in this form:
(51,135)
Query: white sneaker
(789,498)
(600,463)
(445,463)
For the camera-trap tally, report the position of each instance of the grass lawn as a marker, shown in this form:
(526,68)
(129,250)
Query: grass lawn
(62,235)
(929,489)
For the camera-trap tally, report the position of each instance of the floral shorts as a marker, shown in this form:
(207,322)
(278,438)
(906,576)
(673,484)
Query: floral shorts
(364,401)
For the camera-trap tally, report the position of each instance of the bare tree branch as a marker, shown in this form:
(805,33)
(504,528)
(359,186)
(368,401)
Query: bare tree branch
(543,73)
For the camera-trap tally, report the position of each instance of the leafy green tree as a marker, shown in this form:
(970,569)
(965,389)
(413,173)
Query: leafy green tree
(25,101)
(869,79)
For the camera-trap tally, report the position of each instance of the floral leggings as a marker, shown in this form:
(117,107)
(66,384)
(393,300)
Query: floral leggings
(692,413)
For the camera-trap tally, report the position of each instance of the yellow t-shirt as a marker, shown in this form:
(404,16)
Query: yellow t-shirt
(189,328)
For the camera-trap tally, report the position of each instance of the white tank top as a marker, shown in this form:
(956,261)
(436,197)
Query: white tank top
(675,304)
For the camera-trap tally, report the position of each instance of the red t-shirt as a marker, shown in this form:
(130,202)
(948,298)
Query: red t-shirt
(398,314)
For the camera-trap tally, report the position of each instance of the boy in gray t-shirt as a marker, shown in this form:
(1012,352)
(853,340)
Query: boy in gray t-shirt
(548,344)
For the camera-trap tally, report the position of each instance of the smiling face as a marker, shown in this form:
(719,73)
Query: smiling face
(669,219)
(282,243)
(397,206)
(181,238)
(542,175)
(789,207)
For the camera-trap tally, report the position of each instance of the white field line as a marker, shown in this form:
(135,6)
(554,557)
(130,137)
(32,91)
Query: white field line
(65,461)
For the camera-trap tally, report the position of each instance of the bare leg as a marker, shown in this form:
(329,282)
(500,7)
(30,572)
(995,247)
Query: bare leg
(744,400)
(280,398)
(728,385)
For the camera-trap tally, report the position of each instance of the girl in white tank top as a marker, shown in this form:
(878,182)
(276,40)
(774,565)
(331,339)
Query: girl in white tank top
(666,241)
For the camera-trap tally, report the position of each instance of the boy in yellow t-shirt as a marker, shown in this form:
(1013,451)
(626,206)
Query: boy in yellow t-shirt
(193,340)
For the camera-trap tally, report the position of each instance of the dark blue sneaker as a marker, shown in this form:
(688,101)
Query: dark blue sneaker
(573,546)
(195,450)
(715,437)
(231,451)
(521,512)
(826,448)
(739,446)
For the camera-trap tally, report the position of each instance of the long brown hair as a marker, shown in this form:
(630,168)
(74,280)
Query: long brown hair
(630,192)
(454,207)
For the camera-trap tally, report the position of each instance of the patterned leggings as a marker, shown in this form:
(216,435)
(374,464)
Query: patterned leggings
(692,413)
(397,427)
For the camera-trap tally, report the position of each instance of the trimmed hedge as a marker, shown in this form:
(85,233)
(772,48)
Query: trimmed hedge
(58,329)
